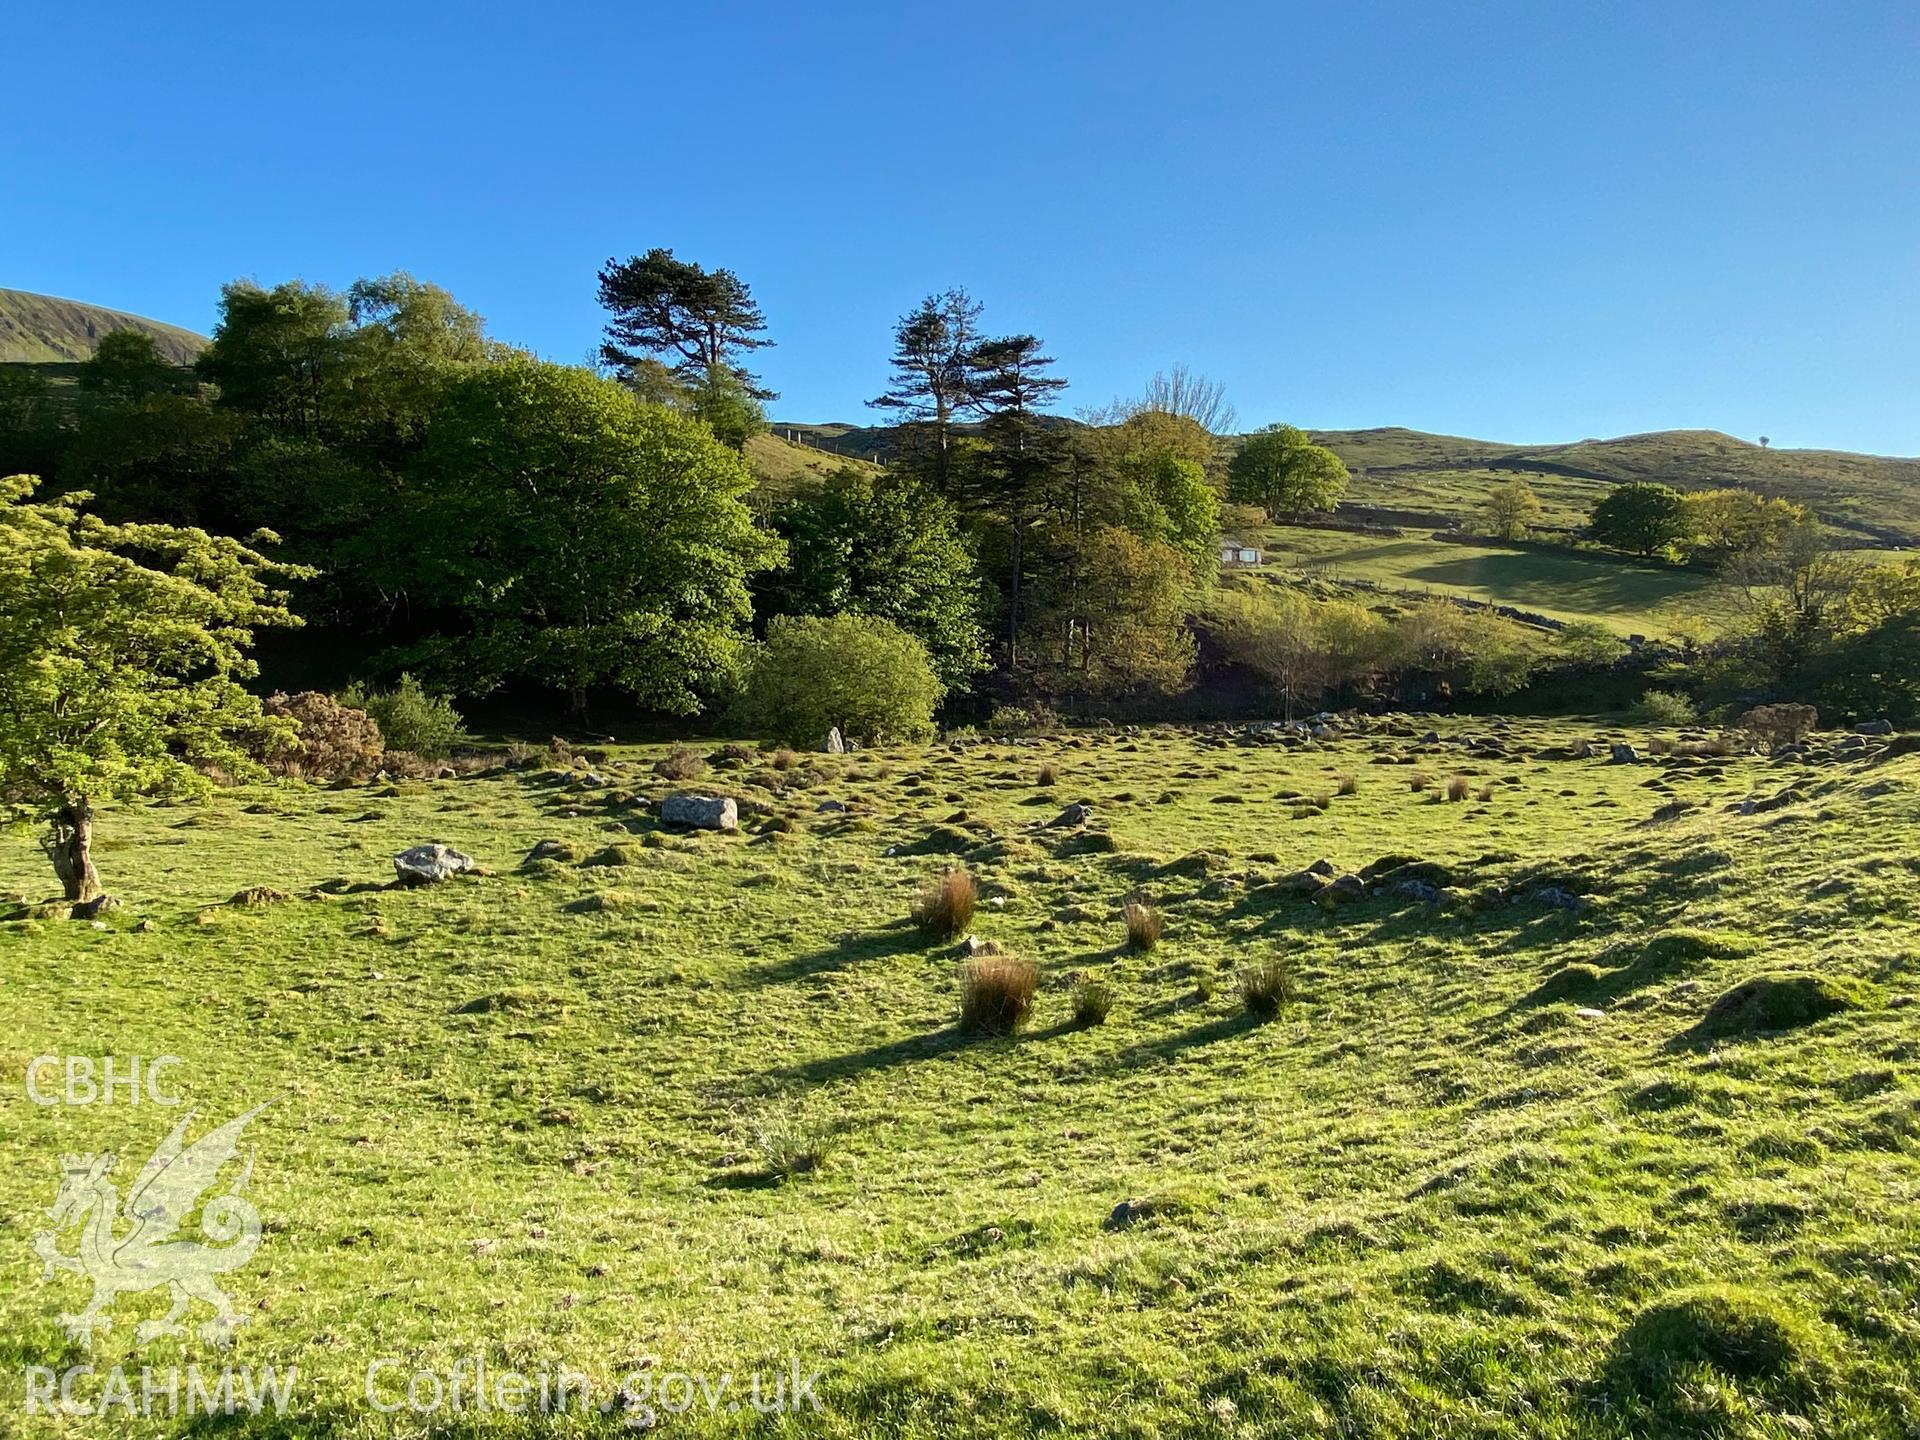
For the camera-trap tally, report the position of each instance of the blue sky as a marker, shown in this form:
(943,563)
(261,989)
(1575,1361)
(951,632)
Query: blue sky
(1528,221)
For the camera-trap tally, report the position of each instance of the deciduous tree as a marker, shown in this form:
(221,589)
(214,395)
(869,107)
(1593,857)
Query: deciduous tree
(1281,470)
(123,652)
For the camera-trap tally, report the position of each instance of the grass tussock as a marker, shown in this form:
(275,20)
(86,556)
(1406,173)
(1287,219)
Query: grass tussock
(996,994)
(1485,793)
(1419,783)
(1349,785)
(1092,1002)
(1144,924)
(945,908)
(1458,788)
(1267,988)
(792,1142)
(1049,775)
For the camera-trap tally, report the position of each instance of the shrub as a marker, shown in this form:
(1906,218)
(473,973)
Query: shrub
(410,718)
(1021,720)
(1092,1002)
(996,994)
(1775,725)
(1458,788)
(1143,925)
(1667,707)
(869,678)
(946,906)
(1267,987)
(682,762)
(337,742)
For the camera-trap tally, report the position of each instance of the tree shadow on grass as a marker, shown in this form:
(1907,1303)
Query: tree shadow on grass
(897,939)
(1171,1047)
(931,1046)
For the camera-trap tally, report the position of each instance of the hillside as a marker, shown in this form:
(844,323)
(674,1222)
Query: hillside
(1878,497)
(36,329)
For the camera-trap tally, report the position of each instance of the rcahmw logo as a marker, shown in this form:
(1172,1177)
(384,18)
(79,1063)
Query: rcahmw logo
(135,1245)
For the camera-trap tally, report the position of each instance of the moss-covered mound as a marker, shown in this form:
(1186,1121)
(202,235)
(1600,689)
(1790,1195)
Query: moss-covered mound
(1739,1335)
(1780,1002)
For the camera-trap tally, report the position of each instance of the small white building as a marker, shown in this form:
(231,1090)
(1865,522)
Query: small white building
(1234,554)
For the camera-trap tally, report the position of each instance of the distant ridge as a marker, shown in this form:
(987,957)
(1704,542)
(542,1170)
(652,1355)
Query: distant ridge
(1875,496)
(41,329)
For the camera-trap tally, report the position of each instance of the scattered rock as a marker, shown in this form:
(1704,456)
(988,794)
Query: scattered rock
(830,807)
(1874,727)
(557,850)
(1303,882)
(100,905)
(1554,897)
(973,945)
(1341,891)
(430,864)
(1073,815)
(252,895)
(1587,1012)
(836,744)
(1623,754)
(701,812)
(1322,866)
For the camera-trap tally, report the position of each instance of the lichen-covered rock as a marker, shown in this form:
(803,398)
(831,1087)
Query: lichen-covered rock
(430,864)
(701,812)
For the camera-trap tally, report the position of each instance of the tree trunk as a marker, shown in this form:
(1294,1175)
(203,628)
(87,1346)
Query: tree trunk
(70,847)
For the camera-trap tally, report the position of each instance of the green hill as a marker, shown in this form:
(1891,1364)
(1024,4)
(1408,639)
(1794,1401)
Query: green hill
(1875,496)
(1447,476)
(38,329)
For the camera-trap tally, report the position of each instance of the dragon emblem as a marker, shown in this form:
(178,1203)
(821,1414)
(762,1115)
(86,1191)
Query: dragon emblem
(163,1197)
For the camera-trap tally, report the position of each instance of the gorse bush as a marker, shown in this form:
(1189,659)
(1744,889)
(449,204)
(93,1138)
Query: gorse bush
(1667,707)
(996,994)
(867,677)
(337,742)
(945,908)
(409,716)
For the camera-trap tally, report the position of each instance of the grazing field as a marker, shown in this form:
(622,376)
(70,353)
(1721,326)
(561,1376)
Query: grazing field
(1563,584)
(1501,1161)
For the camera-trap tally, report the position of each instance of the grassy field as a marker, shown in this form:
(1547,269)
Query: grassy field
(1492,1172)
(1563,584)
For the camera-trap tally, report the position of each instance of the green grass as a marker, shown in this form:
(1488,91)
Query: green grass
(1562,584)
(733,1118)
